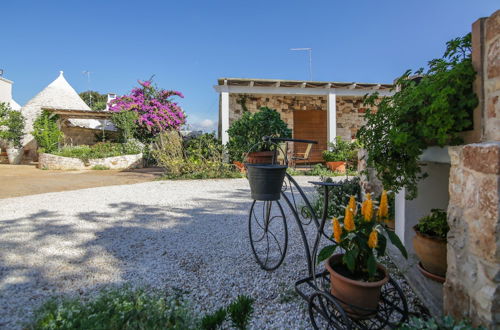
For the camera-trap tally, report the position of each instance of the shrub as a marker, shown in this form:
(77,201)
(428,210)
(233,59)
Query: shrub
(155,109)
(46,132)
(435,224)
(338,196)
(11,125)
(116,309)
(241,311)
(199,158)
(430,109)
(247,132)
(100,167)
(342,151)
(126,308)
(99,150)
(126,122)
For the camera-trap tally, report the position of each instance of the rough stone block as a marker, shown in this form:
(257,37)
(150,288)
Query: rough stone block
(493,26)
(493,59)
(482,157)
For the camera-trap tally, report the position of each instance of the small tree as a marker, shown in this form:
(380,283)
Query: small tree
(11,125)
(248,131)
(94,100)
(46,132)
(126,122)
(156,111)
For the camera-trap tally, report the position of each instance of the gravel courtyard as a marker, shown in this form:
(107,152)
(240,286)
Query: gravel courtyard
(173,235)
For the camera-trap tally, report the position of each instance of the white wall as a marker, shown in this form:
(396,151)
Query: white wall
(432,193)
(5,90)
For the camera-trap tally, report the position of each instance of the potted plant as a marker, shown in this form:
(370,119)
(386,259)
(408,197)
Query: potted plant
(355,275)
(11,130)
(245,136)
(430,244)
(340,154)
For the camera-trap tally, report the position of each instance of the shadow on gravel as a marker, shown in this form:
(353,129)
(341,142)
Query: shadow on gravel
(185,245)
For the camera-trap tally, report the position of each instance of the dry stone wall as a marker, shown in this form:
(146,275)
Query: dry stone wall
(54,162)
(350,110)
(472,288)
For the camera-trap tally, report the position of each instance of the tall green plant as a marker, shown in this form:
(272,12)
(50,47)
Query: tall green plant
(430,108)
(11,125)
(248,131)
(46,131)
(126,122)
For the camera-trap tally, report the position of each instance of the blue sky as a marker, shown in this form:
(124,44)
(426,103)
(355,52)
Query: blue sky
(187,45)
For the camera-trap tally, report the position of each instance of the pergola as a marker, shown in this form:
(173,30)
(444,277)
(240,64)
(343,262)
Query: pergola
(331,90)
(79,114)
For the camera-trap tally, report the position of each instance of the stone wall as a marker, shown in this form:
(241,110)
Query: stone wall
(53,162)
(74,135)
(472,288)
(350,110)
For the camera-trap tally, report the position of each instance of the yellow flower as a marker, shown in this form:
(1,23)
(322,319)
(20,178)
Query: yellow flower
(383,210)
(352,204)
(367,208)
(337,230)
(349,220)
(373,239)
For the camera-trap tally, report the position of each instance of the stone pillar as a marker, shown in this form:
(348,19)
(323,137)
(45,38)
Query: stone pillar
(472,288)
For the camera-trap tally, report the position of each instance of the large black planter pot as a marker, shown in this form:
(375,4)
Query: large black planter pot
(266,181)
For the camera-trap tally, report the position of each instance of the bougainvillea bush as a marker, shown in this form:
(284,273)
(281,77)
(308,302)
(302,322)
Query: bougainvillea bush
(156,110)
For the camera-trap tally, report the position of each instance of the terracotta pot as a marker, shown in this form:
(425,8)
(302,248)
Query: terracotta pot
(260,157)
(431,251)
(365,295)
(391,224)
(240,166)
(336,166)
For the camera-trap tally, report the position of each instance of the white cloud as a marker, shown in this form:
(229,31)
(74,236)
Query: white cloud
(207,123)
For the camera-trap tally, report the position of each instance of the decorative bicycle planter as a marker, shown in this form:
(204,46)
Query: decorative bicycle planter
(268,235)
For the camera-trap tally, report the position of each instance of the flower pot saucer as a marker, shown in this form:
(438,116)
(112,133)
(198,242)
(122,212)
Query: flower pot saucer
(432,276)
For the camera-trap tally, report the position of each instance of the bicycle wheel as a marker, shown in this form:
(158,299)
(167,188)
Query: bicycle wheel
(326,313)
(268,233)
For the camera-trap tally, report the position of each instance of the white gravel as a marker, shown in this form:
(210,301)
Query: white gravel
(187,235)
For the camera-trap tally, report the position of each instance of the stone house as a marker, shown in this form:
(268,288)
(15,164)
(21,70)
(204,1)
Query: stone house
(78,122)
(6,93)
(314,110)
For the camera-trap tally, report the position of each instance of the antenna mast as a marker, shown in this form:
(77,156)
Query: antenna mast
(309,50)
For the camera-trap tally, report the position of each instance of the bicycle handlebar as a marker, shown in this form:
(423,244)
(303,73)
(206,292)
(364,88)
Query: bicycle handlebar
(273,139)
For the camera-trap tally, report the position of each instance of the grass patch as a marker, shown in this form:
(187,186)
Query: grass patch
(100,167)
(99,150)
(126,308)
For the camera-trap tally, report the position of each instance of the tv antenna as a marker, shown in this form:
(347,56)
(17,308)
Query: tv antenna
(309,50)
(87,73)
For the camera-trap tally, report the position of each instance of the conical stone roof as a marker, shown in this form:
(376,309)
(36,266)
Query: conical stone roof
(59,95)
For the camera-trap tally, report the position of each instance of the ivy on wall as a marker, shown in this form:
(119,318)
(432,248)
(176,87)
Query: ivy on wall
(430,108)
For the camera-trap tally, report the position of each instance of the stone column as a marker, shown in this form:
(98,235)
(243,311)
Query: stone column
(472,288)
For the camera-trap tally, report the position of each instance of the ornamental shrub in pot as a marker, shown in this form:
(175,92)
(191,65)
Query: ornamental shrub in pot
(430,244)
(341,154)
(11,130)
(245,136)
(355,275)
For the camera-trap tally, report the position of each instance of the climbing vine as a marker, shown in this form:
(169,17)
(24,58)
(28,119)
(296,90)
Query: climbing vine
(431,107)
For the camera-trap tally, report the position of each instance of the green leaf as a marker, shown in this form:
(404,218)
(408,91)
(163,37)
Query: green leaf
(371,265)
(397,242)
(382,244)
(349,260)
(326,252)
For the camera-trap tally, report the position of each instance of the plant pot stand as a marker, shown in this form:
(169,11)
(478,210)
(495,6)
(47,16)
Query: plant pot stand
(268,235)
